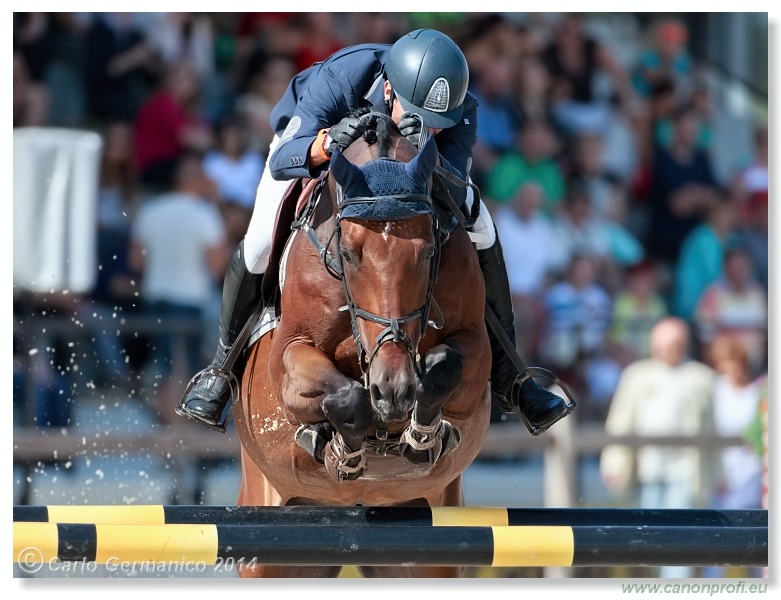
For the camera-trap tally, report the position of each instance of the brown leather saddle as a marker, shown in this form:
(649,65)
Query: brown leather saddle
(294,201)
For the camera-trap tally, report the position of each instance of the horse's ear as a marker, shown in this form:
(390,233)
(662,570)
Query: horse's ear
(422,164)
(346,173)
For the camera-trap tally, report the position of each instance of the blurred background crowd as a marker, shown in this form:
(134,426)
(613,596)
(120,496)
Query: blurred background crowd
(627,183)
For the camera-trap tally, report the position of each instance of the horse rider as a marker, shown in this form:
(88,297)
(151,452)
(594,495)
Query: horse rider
(423,74)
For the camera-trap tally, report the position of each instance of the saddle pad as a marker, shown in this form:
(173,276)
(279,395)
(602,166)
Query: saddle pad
(293,203)
(268,318)
(266,322)
(284,218)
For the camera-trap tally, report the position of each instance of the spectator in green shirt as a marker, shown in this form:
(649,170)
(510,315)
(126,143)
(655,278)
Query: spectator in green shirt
(702,257)
(533,162)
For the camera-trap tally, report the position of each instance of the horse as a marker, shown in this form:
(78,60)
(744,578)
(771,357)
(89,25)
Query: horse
(373,387)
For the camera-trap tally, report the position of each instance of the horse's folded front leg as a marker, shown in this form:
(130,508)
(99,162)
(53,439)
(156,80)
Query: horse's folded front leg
(335,411)
(428,443)
(429,436)
(351,414)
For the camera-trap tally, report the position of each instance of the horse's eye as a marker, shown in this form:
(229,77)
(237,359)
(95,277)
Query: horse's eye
(347,256)
(429,254)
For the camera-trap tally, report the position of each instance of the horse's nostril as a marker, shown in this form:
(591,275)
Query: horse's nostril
(374,391)
(381,403)
(392,401)
(409,395)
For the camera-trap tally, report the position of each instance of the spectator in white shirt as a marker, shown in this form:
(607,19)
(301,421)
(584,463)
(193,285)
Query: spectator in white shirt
(178,246)
(234,167)
(667,394)
(527,237)
(528,241)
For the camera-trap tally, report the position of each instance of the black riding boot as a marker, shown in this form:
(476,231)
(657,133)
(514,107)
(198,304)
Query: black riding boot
(536,407)
(206,399)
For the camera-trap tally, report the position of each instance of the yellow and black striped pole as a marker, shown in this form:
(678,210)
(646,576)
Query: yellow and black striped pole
(357,516)
(497,546)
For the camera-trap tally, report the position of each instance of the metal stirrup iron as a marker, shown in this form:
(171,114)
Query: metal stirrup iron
(224,371)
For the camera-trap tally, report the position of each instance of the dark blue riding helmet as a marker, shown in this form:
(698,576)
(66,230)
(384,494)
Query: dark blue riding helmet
(429,76)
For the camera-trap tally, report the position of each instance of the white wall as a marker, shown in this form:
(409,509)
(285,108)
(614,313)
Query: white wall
(54,211)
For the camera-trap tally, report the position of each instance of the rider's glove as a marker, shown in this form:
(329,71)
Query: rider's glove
(411,127)
(344,133)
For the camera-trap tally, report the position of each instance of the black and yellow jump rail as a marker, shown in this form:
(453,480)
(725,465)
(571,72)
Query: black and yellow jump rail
(496,546)
(359,516)
(466,536)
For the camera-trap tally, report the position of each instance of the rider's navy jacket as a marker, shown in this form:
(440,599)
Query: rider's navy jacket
(323,94)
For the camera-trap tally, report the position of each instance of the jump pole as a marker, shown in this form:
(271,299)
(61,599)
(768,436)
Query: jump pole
(498,546)
(360,516)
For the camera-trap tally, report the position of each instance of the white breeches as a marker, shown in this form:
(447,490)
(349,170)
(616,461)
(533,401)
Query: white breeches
(257,241)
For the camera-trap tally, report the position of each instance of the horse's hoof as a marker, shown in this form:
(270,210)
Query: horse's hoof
(312,439)
(451,437)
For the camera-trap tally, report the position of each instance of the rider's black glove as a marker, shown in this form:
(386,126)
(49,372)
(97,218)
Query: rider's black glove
(344,133)
(411,127)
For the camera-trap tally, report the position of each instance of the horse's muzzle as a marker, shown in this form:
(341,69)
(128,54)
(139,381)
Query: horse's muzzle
(393,400)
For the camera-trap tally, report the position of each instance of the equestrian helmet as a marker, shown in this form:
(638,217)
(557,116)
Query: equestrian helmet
(430,76)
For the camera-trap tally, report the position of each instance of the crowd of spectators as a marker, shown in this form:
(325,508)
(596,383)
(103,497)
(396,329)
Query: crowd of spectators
(597,170)
(600,176)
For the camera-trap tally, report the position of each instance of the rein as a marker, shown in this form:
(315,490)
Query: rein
(334,265)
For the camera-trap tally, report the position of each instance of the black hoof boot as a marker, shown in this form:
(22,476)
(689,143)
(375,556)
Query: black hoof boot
(313,439)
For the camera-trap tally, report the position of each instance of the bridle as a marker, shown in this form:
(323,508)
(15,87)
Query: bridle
(392,331)
(334,264)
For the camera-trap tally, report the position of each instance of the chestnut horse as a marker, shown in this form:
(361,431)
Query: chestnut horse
(373,388)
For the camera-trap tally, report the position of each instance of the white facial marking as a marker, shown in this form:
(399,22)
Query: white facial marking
(386,230)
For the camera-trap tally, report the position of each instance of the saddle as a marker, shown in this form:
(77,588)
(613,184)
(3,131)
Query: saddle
(293,203)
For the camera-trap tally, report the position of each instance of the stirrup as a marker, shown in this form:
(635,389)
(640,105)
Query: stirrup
(233,383)
(546,374)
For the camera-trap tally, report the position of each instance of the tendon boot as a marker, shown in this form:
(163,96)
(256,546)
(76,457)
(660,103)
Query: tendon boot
(536,407)
(210,391)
